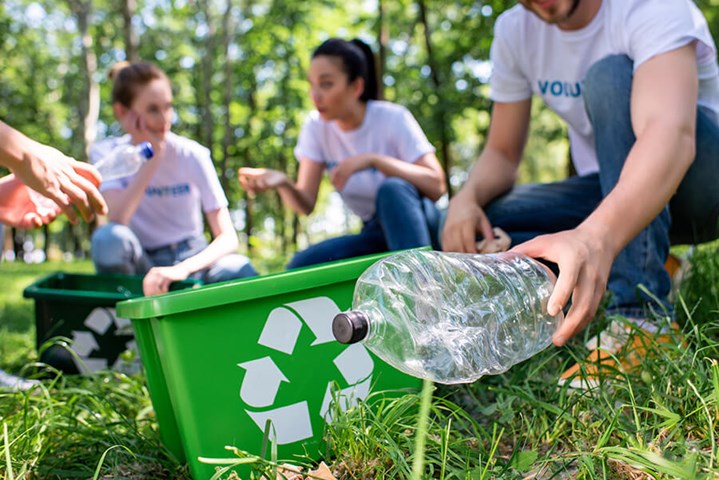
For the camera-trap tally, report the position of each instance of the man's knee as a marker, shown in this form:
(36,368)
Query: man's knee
(608,80)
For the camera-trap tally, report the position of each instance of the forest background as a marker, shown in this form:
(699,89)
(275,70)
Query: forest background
(238,69)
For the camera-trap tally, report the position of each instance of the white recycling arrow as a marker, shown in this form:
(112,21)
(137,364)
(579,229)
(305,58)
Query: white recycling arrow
(99,320)
(318,314)
(354,363)
(83,342)
(281,330)
(90,365)
(347,397)
(290,424)
(261,383)
(123,326)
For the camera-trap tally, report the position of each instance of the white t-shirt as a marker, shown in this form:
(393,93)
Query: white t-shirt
(530,56)
(184,186)
(387,129)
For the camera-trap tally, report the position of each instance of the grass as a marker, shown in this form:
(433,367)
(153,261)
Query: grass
(17,314)
(657,421)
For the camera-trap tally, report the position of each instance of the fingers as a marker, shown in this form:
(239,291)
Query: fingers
(586,297)
(30,220)
(484,228)
(72,187)
(568,273)
(338,179)
(460,236)
(83,191)
(252,180)
(131,123)
(468,238)
(154,283)
(465,219)
(583,276)
(64,203)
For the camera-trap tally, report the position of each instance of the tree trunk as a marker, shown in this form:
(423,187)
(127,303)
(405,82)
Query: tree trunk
(382,40)
(247,150)
(248,160)
(17,244)
(228,138)
(132,42)
(207,127)
(441,113)
(89,105)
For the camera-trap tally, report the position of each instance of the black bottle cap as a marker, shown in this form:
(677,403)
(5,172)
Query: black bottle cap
(350,327)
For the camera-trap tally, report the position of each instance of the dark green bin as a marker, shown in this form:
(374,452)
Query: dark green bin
(81,307)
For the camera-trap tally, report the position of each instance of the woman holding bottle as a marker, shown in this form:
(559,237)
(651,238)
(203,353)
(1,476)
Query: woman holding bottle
(377,156)
(156,215)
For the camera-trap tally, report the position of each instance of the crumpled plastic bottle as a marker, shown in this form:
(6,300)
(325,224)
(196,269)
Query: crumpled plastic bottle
(451,317)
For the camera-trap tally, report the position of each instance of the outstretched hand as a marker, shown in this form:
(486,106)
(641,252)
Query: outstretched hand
(63,180)
(255,180)
(22,207)
(584,265)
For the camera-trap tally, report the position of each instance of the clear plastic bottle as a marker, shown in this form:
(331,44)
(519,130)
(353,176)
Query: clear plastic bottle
(451,317)
(124,160)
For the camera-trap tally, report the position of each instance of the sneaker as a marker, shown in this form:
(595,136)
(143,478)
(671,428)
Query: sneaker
(620,348)
(14,383)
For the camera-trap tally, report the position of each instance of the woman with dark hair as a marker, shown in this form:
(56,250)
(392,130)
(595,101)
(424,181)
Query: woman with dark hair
(377,156)
(156,215)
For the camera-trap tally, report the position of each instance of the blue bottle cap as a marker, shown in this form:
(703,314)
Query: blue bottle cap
(146,150)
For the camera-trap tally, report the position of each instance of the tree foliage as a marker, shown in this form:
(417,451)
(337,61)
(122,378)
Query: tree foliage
(238,69)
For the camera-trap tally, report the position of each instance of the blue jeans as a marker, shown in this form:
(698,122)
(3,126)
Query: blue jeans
(403,219)
(530,210)
(116,249)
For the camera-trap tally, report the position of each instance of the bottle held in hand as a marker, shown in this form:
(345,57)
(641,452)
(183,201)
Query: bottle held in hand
(451,317)
(124,160)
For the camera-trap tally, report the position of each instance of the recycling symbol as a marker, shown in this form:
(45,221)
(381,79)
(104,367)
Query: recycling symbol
(102,340)
(263,378)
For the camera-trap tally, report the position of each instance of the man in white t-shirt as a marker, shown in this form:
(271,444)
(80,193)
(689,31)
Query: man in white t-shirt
(637,83)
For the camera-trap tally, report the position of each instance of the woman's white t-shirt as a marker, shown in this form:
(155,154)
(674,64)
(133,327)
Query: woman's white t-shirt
(531,56)
(184,186)
(387,129)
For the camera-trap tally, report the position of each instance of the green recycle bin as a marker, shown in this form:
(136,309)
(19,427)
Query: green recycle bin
(224,360)
(81,307)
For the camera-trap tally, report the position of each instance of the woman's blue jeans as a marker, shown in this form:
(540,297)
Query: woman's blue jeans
(691,217)
(116,249)
(403,219)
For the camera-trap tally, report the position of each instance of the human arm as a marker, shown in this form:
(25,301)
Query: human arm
(224,242)
(493,174)
(49,172)
(426,173)
(301,197)
(663,114)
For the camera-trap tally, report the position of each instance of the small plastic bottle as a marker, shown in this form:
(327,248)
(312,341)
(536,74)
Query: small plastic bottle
(124,160)
(451,317)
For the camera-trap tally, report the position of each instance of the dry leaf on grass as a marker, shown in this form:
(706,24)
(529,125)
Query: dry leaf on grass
(323,472)
(287,472)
